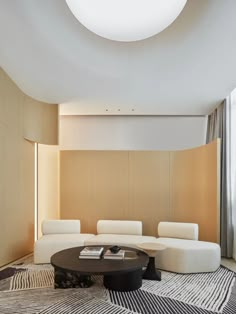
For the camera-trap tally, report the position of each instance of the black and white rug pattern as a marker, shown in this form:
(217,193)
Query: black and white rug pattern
(30,290)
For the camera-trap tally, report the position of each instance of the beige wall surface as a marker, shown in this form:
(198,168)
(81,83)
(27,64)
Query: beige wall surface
(131,132)
(195,187)
(40,122)
(48,184)
(149,189)
(150,186)
(16,176)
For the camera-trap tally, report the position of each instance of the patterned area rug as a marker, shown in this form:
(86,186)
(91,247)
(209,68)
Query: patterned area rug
(29,289)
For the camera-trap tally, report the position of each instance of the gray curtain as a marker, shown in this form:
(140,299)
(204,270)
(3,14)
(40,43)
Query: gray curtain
(219,127)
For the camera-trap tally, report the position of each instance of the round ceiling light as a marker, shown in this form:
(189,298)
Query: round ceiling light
(126,20)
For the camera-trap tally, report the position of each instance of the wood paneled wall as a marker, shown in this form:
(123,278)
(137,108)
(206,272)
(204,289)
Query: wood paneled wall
(195,188)
(16,176)
(40,122)
(150,186)
(20,116)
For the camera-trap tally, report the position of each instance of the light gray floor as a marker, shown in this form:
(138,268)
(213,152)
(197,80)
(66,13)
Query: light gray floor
(229,263)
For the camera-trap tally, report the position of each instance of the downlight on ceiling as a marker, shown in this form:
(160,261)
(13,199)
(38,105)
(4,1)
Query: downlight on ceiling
(126,20)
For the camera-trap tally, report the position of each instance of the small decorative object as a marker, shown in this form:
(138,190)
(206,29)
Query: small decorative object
(115,249)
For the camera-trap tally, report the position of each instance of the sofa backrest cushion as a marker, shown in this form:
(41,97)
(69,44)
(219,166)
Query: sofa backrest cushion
(178,230)
(119,227)
(60,226)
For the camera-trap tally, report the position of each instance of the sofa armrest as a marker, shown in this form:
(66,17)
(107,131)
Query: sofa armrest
(60,226)
(178,230)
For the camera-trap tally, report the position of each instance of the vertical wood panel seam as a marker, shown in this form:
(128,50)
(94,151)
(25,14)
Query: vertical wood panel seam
(171,214)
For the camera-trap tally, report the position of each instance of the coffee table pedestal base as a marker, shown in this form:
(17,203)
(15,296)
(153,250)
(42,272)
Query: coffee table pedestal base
(127,281)
(151,273)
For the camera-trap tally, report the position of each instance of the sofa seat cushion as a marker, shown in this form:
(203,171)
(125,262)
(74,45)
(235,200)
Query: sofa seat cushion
(50,244)
(119,239)
(188,256)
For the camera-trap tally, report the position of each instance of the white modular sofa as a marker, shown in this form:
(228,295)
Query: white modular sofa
(119,232)
(58,235)
(63,234)
(184,253)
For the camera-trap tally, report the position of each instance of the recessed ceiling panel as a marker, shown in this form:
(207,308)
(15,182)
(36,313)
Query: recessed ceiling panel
(187,69)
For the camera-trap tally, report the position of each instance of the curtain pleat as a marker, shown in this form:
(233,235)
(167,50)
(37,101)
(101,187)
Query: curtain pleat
(219,127)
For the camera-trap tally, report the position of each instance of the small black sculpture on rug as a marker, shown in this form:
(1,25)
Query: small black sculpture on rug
(66,279)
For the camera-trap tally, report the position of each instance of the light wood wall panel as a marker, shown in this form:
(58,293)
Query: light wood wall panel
(16,176)
(150,186)
(194,189)
(97,189)
(109,190)
(40,122)
(75,187)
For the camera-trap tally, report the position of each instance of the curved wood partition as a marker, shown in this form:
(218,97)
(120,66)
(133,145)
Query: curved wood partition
(195,188)
(150,186)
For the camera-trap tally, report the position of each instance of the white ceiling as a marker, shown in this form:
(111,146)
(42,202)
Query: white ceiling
(186,70)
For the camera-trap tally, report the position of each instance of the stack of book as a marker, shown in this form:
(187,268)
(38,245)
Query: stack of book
(91,252)
(118,255)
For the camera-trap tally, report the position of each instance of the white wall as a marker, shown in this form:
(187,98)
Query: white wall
(48,183)
(131,132)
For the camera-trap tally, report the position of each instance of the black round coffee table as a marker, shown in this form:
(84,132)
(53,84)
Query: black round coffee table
(119,275)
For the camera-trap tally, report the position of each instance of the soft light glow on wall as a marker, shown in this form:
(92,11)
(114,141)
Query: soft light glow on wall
(35,191)
(126,20)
